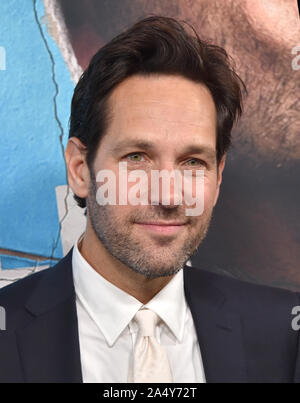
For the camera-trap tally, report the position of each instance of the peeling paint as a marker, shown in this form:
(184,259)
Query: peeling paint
(35,97)
(61,130)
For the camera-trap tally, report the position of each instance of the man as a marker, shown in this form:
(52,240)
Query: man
(264,164)
(123,306)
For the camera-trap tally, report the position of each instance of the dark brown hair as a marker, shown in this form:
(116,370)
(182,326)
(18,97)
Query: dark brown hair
(154,45)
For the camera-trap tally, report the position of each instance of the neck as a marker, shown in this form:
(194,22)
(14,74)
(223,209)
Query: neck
(114,271)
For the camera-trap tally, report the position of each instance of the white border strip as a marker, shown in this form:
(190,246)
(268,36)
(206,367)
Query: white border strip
(57,29)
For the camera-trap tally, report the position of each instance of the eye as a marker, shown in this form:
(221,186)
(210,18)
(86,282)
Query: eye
(135,157)
(196,162)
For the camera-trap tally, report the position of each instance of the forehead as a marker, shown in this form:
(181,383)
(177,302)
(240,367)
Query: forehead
(166,107)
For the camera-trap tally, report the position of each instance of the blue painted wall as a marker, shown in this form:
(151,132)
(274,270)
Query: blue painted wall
(35,84)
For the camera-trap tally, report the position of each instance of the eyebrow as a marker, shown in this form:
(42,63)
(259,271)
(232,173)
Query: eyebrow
(124,144)
(209,152)
(121,146)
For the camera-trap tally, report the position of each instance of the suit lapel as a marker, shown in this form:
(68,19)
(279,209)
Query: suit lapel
(219,330)
(49,343)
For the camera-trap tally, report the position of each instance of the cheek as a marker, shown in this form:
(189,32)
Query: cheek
(122,217)
(210,193)
(123,212)
(209,187)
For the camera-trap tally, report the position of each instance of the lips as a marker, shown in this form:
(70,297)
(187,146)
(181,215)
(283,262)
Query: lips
(162,227)
(162,223)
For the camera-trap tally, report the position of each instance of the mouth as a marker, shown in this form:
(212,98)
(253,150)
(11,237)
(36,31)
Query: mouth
(162,227)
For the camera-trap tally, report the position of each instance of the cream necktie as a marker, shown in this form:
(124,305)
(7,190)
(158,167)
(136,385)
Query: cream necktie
(150,360)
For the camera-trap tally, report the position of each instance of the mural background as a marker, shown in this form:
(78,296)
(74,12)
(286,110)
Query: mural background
(44,45)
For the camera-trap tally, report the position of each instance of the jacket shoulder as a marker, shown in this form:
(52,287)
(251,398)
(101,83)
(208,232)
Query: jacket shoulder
(16,293)
(14,296)
(242,293)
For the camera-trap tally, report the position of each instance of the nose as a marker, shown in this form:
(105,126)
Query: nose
(165,186)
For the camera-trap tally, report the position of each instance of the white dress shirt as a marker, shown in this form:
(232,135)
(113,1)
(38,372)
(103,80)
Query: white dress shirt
(107,333)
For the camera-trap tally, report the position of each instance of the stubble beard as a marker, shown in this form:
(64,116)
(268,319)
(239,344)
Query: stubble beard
(116,236)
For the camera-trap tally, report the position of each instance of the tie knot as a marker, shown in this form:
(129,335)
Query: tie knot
(147,321)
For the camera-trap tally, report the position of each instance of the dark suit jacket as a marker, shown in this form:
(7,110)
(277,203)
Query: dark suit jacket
(244,330)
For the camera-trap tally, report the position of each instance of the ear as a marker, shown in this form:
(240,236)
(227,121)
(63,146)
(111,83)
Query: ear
(77,169)
(219,179)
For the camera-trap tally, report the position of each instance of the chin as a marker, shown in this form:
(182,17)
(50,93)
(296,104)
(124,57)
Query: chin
(157,270)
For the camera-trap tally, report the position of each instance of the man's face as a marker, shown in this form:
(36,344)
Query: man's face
(170,115)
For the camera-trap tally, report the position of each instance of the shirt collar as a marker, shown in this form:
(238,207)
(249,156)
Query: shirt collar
(112,308)
(170,304)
